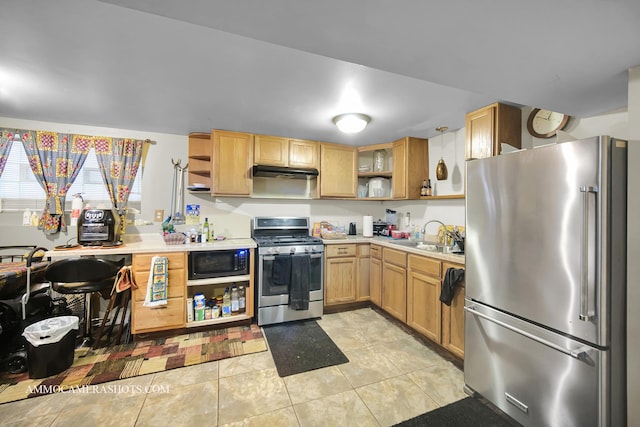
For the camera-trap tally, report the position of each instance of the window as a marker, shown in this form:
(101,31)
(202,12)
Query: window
(19,188)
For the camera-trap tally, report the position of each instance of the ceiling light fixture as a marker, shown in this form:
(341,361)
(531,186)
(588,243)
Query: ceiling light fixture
(351,122)
(441,169)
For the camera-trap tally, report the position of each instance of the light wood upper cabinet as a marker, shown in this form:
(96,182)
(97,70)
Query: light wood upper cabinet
(489,127)
(303,154)
(270,150)
(410,167)
(286,152)
(338,165)
(231,163)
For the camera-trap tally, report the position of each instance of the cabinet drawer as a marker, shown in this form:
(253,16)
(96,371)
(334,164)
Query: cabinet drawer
(142,262)
(392,256)
(364,250)
(340,250)
(428,266)
(171,316)
(177,284)
(375,251)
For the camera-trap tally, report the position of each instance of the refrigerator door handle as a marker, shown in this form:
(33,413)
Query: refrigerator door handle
(580,353)
(584,255)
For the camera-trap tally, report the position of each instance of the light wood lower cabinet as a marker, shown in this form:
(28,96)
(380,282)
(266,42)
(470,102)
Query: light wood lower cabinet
(340,274)
(453,318)
(394,283)
(363,289)
(375,274)
(170,316)
(424,312)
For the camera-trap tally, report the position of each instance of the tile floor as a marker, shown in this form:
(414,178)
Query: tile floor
(390,377)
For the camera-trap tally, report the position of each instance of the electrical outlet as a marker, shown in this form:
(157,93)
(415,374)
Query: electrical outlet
(158,216)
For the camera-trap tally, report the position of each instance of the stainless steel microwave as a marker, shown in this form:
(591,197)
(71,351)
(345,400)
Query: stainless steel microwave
(210,264)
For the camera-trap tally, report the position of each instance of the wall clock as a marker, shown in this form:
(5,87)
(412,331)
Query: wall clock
(545,123)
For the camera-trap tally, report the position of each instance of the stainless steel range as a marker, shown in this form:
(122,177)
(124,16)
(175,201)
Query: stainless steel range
(290,270)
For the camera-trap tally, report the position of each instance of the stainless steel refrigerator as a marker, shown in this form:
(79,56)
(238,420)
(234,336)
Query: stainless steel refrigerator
(546,282)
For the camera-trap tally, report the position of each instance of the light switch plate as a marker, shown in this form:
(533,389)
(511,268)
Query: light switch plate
(158,216)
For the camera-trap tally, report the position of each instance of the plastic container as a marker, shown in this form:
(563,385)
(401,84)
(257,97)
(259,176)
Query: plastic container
(50,345)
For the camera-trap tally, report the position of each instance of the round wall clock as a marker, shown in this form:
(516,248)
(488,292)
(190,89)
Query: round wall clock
(545,123)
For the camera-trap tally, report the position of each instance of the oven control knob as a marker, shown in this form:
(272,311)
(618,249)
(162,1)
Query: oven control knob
(275,250)
(293,250)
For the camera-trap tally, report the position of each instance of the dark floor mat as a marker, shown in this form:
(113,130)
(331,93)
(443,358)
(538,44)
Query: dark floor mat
(466,412)
(301,346)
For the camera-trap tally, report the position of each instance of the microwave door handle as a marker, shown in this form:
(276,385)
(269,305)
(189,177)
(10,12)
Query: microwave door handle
(584,255)
(235,262)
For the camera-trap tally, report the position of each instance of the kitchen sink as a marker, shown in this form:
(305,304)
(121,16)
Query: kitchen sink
(425,246)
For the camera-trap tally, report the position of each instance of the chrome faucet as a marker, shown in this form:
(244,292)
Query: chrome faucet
(424,227)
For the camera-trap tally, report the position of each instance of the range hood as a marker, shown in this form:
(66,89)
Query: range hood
(282,172)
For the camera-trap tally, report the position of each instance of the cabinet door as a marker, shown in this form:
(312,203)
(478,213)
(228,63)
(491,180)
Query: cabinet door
(480,134)
(453,319)
(340,280)
(394,291)
(363,290)
(399,181)
(375,274)
(270,150)
(423,304)
(303,154)
(338,175)
(232,161)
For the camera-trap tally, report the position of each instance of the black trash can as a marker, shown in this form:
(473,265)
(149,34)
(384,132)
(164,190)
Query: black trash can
(51,345)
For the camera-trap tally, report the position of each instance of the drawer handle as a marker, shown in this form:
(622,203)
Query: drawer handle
(580,353)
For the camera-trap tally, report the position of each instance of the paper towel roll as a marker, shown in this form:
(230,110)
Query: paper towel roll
(367,226)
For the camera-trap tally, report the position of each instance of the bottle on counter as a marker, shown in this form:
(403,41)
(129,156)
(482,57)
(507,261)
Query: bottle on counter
(226,303)
(242,299)
(235,304)
(423,189)
(205,231)
(428,188)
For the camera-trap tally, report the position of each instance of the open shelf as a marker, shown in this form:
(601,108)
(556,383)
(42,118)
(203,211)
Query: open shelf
(217,320)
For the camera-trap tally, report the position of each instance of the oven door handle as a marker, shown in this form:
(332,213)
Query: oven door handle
(315,255)
(268,257)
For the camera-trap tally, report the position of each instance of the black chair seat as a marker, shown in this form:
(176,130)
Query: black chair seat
(83,287)
(84,275)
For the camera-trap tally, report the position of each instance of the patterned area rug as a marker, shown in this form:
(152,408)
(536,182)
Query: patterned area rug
(139,358)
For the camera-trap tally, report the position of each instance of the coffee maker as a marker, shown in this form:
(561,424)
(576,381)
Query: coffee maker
(99,227)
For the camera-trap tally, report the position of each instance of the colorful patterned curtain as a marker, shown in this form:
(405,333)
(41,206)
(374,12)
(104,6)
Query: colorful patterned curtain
(6,141)
(55,160)
(119,160)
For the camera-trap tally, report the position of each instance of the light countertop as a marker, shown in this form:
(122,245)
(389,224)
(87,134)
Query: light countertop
(151,243)
(393,243)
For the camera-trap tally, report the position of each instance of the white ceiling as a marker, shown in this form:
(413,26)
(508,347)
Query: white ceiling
(286,67)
